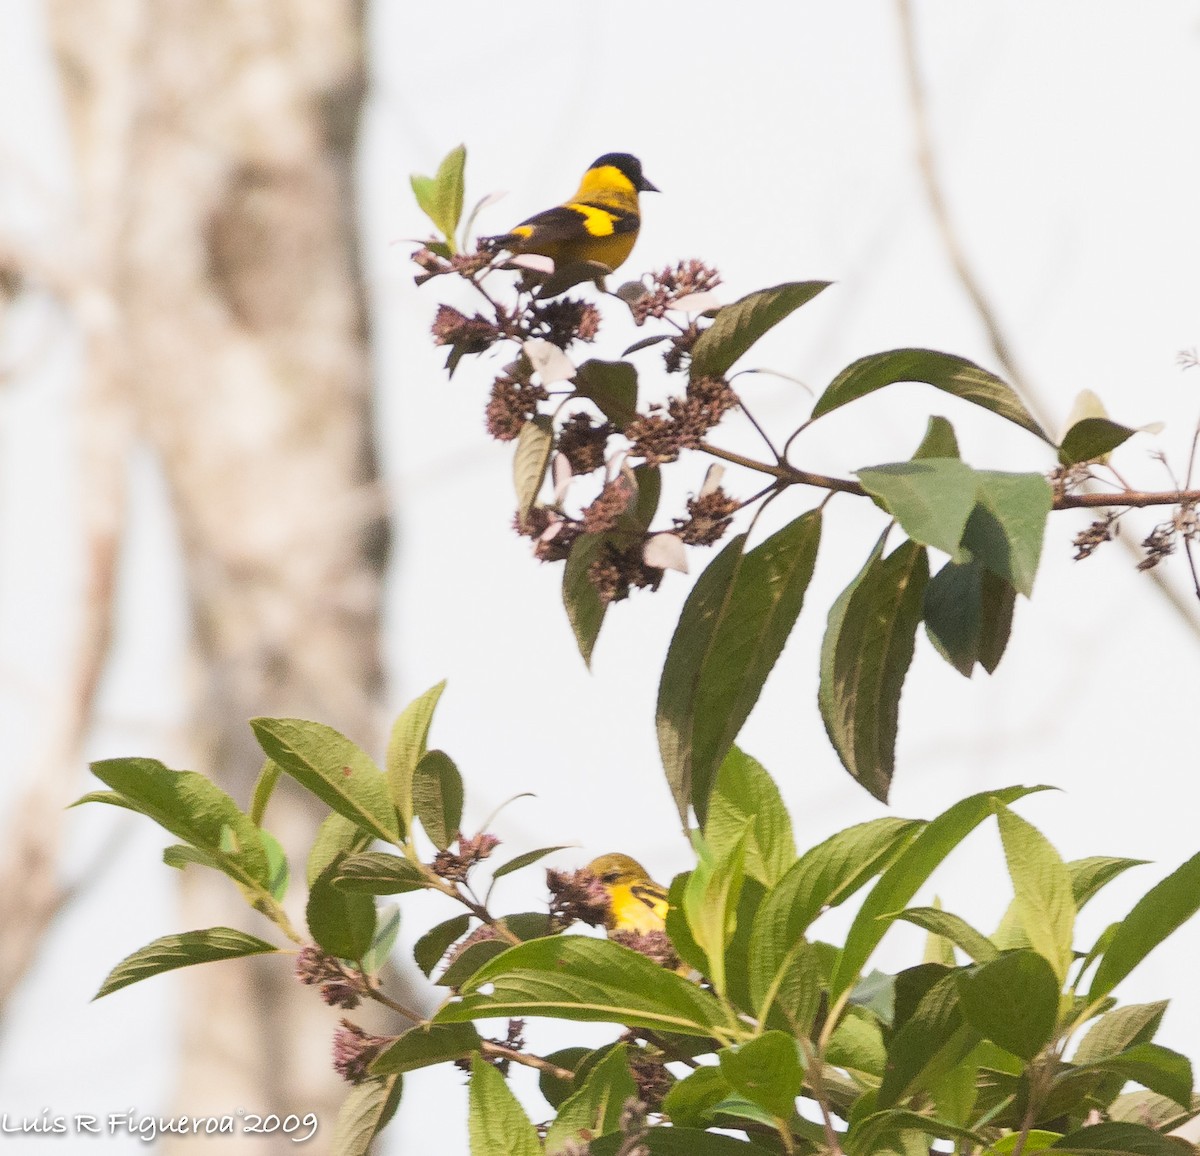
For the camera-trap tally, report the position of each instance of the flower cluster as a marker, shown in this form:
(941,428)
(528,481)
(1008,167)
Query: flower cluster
(339,988)
(670,285)
(576,897)
(455,865)
(354,1050)
(659,437)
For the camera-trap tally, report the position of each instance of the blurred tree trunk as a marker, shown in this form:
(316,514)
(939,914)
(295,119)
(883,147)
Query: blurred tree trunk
(214,148)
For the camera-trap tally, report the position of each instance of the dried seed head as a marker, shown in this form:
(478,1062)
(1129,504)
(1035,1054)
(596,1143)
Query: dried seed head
(709,516)
(576,897)
(512,404)
(608,507)
(355,1050)
(1089,540)
(583,443)
(619,570)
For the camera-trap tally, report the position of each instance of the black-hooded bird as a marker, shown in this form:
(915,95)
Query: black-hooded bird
(599,223)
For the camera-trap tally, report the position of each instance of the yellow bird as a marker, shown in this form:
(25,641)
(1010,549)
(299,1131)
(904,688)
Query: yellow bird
(599,223)
(636,902)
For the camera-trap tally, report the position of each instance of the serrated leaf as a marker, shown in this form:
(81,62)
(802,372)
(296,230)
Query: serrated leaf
(433,945)
(1119,1029)
(731,632)
(954,375)
(1042,890)
(910,869)
(1012,1001)
(425,1045)
(1090,875)
(169,952)
(596,1107)
(365,1112)
(406,746)
(378,873)
(952,927)
(1160,1069)
(930,498)
(585,610)
(766,1071)
(710,902)
(738,326)
(535,443)
(1092,438)
(438,797)
(612,386)
(746,801)
(1005,530)
(579,978)
(192,808)
(865,655)
(1164,908)
(330,766)
(496,1121)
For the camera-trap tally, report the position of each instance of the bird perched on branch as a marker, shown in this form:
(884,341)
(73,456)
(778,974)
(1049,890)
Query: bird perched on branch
(636,902)
(599,223)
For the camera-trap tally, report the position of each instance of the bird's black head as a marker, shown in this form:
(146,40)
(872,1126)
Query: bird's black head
(630,166)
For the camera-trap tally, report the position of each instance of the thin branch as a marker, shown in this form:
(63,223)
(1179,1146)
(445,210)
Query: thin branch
(501,1052)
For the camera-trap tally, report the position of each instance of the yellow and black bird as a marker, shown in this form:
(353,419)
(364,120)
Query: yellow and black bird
(635,901)
(599,223)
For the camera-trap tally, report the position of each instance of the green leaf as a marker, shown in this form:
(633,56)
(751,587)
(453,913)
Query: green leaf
(1120,1029)
(378,873)
(496,1121)
(678,1142)
(264,787)
(575,977)
(910,869)
(336,838)
(732,629)
(766,1071)
(1129,1139)
(865,656)
(738,326)
(573,1060)
(1036,1139)
(1005,530)
(746,801)
(1160,1069)
(1141,1107)
(1090,875)
(824,876)
(1042,890)
(173,951)
(330,766)
(277,865)
(524,860)
(949,926)
(387,921)
(585,609)
(691,1100)
(857,1044)
(433,945)
(968,616)
(468,961)
(939,440)
(710,907)
(612,386)
(1163,908)
(535,443)
(931,499)
(425,1045)
(409,738)
(868,1134)
(342,923)
(194,809)
(954,375)
(596,1107)
(441,197)
(929,1043)
(1012,1001)
(1092,438)
(365,1112)
(438,797)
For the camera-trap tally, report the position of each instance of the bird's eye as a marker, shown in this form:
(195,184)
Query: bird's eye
(609,877)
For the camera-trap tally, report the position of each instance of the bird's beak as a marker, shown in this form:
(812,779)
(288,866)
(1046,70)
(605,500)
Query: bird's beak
(647,187)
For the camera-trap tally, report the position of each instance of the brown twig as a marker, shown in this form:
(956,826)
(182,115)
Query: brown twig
(501,1052)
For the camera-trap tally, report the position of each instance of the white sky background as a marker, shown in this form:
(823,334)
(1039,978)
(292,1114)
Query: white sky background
(1066,138)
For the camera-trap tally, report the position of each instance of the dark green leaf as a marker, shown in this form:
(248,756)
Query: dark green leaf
(612,386)
(865,656)
(931,499)
(1163,908)
(342,922)
(958,931)
(767,1071)
(596,1107)
(691,1100)
(968,615)
(746,801)
(554,1089)
(194,809)
(173,951)
(406,746)
(738,326)
(1160,1069)
(585,609)
(378,873)
(868,1134)
(1092,438)
(429,949)
(954,375)
(857,1044)
(427,1044)
(535,443)
(528,924)
(1005,530)
(1129,1139)
(910,869)
(1012,1001)
(576,977)
(365,1112)
(939,440)
(732,629)
(496,1121)
(330,766)
(469,960)
(524,860)
(931,1041)
(336,838)
(438,797)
